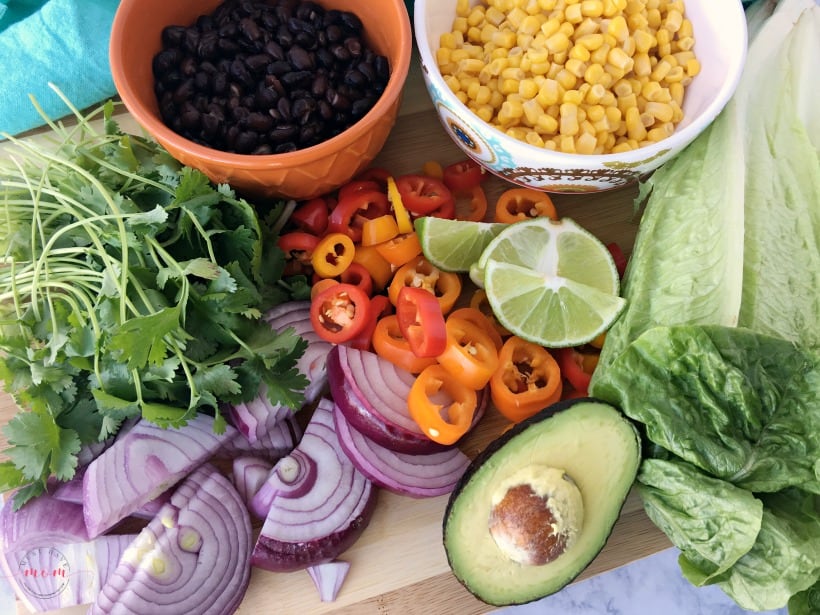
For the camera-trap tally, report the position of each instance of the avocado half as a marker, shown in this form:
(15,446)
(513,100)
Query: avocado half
(589,440)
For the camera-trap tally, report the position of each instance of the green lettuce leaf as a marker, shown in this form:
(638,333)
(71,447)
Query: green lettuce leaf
(785,558)
(711,521)
(739,405)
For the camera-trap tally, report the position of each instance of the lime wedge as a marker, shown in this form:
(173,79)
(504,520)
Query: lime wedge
(454,245)
(551,282)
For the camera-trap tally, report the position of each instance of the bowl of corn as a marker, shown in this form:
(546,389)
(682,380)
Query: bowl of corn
(578,95)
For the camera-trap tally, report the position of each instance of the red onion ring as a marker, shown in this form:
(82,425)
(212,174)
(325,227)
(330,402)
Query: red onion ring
(413,475)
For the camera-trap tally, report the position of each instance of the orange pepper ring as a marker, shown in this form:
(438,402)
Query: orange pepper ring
(430,416)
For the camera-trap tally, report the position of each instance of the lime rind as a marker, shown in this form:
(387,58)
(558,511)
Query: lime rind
(454,245)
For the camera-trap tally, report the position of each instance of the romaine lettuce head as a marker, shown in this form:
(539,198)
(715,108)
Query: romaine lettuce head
(712,522)
(785,558)
(739,405)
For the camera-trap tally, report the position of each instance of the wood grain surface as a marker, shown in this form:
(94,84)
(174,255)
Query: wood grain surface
(399,565)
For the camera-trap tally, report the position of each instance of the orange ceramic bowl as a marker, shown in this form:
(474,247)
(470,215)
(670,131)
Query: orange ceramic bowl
(309,172)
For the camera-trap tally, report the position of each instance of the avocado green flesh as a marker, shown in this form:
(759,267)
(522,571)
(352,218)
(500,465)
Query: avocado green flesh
(597,447)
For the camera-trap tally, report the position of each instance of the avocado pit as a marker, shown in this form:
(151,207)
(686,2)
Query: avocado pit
(536,515)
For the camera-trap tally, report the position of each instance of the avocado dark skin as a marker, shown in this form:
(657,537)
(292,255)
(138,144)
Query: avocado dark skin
(585,440)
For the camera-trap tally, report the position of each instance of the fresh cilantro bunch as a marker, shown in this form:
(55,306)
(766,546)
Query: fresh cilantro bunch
(129,286)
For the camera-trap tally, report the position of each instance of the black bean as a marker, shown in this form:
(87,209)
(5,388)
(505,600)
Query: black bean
(283,106)
(279,68)
(355,78)
(353,46)
(173,36)
(210,124)
(274,50)
(302,108)
(266,98)
(340,52)
(283,132)
(259,122)
(246,142)
(300,58)
(297,79)
(258,62)
(250,29)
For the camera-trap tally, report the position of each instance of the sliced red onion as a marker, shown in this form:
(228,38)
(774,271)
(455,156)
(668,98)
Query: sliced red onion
(319,502)
(372,394)
(278,441)
(256,417)
(72,491)
(418,476)
(141,465)
(328,578)
(192,558)
(47,557)
(248,475)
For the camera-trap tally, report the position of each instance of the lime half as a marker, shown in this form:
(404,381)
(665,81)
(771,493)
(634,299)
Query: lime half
(551,282)
(454,245)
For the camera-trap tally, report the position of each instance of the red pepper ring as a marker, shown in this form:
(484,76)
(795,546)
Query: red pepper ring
(463,176)
(421,321)
(477,204)
(340,312)
(350,212)
(571,363)
(440,424)
(298,247)
(311,216)
(422,195)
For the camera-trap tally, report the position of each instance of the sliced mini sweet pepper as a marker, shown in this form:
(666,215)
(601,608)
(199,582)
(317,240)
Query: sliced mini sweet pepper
(421,321)
(421,273)
(470,355)
(480,319)
(576,367)
(379,229)
(348,215)
(333,254)
(403,219)
(526,381)
(299,247)
(401,249)
(311,216)
(445,425)
(390,344)
(463,175)
(340,312)
(380,270)
(517,204)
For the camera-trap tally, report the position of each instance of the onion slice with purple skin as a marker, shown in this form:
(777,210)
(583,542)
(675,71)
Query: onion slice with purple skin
(328,578)
(372,394)
(318,502)
(50,535)
(256,417)
(192,558)
(417,476)
(141,465)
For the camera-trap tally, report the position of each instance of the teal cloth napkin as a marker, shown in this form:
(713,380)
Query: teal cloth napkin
(64,42)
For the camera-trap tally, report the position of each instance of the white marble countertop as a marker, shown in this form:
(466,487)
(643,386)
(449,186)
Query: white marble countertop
(649,586)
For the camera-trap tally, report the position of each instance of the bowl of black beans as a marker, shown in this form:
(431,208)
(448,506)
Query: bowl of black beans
(278,98)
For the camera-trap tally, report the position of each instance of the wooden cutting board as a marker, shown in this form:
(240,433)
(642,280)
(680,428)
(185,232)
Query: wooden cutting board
(398,566)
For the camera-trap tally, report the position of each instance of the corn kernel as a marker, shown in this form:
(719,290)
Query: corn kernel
(567,144)
(585,143)
(532,111)
(676,93)
(660,111)
(533,138)
(618,28)
(476,16)
(573,14)
(673,20)
(573,97)
(660,132)
(595,94)
(527,88)
(590,41)
(568,119)
(550,93)
(641,65)
(634,126)
(579,52)
(485,112)
(546,124)
(462,8)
